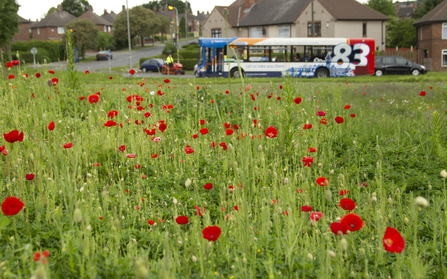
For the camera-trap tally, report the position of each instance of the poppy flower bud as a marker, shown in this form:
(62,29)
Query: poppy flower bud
(188,182)
(40,273)
(362,251)
(331,172)
(232,267)
(343,244)
(89,228)
(390,200)
(116,222)
(331,254)
(354,143)
(352,274)
(77,215)
(444,174)
(244,260)
(406,220)
(286,181)
(179,242)
(255,239)
(328,195)
(142,272)
(374,198)
(230,146)
(310,257)
(260,148)
(174,200)
(320,165)
(421,202)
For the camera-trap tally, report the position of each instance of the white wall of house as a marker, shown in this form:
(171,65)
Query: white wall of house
(320,15)
(354,29)
(216,21)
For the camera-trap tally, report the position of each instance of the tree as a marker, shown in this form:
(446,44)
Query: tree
(9,24)
(50,10)
(386,7)
(142,23)
(75,7)
(105,41)
(160,4)
(163,24)
(401,33)
(425,7)
(85,34)
(182,26)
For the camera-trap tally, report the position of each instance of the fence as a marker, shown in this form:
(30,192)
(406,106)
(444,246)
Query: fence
(407,53)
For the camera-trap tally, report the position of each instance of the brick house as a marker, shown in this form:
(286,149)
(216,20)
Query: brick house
(102,24)
(404,10)
(24,30)
(110,17)
(431,31)
(52,26)
(195,21)
(293,18)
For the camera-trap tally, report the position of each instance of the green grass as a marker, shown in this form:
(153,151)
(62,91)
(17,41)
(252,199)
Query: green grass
(93,219)
(87,59)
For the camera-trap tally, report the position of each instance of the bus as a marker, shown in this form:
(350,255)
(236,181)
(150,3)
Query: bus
(285,57)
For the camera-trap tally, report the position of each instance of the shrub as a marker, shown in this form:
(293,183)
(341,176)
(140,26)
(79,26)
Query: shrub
(189,54)
(54,50)
(41,55)
(169,47)
(158,38)
(188,64)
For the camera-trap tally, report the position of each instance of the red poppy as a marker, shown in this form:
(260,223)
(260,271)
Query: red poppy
(167,81)
(13,136)
(347,204)
(112,114)
(202,122)
(195,136)
(12,206)
(96,164)
(422,93)
(339,119)
(51,72)
(24,75)
(236,208)
(198,210)
(87,72)
(211,233)
(68,145)
(229,132)
(336,228)
(307,126)
(37,75)
(307,161)
(393,241)
(110,77)
(55,81)
(130,156)
(352,115)
(227,125)
(8,65)
(182,220)
(11,77)
(110,123)
(132,72)
(274,201)
(213,144)
(122,148)
(323,121)
(271,132)
(93,98)
(154,156)
(315,216)
(189,150)
(51,126)
(150,222)
(204,131)
(29,176)
(208,186)
(297,100)
(299,190)
(81,98)
(280,87)
(343,192)
(306,208)
(352,222)
(285,213)
(162,127)
(311,150)
(322,181)
(347,107)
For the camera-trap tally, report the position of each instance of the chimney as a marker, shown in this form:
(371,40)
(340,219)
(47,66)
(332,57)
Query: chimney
(154,9)
(198,12)
(397,7)
(90,8)
(124,8)
(207,12)
(249,3)
(112,12)
(59,8)
(105,12)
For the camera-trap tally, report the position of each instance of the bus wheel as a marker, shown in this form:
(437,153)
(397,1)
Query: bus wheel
(322,73)
(197,74)
(236,74)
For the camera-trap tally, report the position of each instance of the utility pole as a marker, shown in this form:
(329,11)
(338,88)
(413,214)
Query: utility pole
(176,28)
(128,36)
(186,21)
(313,22)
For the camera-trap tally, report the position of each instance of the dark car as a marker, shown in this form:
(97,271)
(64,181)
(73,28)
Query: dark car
(395,65)
(102,55)
(153,65)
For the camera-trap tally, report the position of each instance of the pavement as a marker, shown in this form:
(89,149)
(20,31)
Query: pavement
(120,59)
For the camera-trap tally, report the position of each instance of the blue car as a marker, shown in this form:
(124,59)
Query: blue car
(152,65)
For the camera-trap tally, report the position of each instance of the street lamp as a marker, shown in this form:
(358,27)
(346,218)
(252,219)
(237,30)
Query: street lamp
(176,29)
(128,36)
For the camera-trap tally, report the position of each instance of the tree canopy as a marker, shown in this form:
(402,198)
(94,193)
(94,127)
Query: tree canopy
(400,33)
(163,25)
(85,34)
(50,10)
(142,23)
(9,21)
(75,7)
(425,7)
(160,4)
(105,41)
(386,7)
(182,26)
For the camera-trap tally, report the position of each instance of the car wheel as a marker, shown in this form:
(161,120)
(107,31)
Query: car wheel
(379,73)
(144,70)
(415,72)
(321,73)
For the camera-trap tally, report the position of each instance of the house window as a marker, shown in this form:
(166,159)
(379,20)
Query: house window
(216,33)
(284,31)
(317,29)
(421,33)
(109,29)
(60,30)
(444,31)
(38,31)
(364,30)
(444,58)
(105,28)
(256,32)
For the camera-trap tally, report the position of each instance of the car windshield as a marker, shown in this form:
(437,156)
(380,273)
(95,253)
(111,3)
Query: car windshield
(147,61)
(160,61)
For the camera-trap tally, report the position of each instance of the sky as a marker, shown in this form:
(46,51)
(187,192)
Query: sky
(34,9)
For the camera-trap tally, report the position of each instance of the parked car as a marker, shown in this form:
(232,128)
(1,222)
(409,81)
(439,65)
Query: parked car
(102,55)
(395,65)
(153,65)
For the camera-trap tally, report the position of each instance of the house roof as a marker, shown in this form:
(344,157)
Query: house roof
(110,17)
(22,20)
(169,14)
(439,13)
(55,19)
(404,11)
(96,19)
(351,10)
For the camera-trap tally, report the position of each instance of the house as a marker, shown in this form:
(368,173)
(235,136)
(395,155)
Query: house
(431,30)
(404,10)
(293,18)
(24,30)
(52,26)
(102,24)
(109,17)
(195,21)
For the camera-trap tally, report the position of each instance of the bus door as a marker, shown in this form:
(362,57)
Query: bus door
(208,61)
(218,61)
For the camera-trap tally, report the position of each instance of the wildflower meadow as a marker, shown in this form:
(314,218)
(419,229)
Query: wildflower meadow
(112,177)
